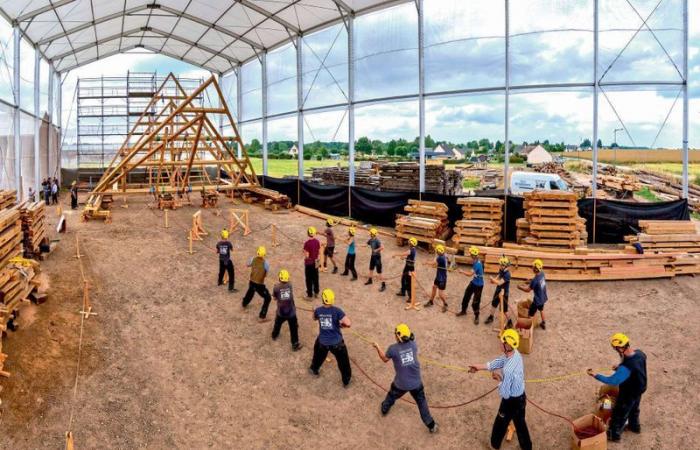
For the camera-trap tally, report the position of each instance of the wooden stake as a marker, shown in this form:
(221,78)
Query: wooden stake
(77,248)
(166,219)
(413,305)
(509,433)
(189,239)
(69,440)
(274,242)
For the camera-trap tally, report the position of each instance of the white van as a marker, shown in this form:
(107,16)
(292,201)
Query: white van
(521,182)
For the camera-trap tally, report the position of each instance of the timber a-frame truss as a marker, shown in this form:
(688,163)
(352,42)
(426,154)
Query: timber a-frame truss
(171,146)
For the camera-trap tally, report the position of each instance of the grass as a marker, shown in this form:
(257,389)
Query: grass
(280,167)
(471,183)
(694,215)
(646,194)
(671,168)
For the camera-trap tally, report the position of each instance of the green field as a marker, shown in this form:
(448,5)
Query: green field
(280,167)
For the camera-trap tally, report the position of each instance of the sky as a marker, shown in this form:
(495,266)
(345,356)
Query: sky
(465,49)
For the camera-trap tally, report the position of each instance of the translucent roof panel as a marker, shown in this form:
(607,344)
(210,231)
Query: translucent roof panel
(215,35)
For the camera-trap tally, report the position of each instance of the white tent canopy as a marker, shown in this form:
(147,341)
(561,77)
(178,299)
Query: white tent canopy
(215,35)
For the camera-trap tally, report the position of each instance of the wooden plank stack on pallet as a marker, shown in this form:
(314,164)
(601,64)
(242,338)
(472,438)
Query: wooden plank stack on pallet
(553,220)
(272,199)
(481,222)
(666,236)
(33,218)
(425,221)
(7,198)
(619,184)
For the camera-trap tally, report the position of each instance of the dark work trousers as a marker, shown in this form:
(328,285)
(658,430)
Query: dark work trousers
(311,275)
(511,409)
(350,265)
(293,328)
(626,409)
(226,267)
(476,304)
(261,291)
(340,351)
(418,395)
(406,279)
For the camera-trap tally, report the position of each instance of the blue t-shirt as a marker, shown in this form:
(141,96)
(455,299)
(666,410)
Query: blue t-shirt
(539,289)
(351,247)
(329,318)
(404,355)
(478,269)
(441,274)
(411,258)
(374,244)
(504,274)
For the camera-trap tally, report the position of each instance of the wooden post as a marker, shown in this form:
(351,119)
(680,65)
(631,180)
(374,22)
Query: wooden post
(69,440)
(509,433)
(166,219)
(413,305)
(77,248)
(189,240)
(274,242)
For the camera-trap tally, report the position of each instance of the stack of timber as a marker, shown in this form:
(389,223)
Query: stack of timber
(481,222)
(426,221)
(405,176)
(670,185)
(619,184)
(590,265)
(553,220)
(522,230)
(33,218)
(673,236)
(581,189)
(272,199)
(339,176)
(7,198)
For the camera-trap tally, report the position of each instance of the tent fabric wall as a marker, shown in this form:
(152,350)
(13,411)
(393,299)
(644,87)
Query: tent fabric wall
(7,148)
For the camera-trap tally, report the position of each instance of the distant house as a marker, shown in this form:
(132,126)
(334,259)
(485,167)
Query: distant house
(294,151)
(571,148)
(334,156)
(538,155)
(524,150)
(444,151)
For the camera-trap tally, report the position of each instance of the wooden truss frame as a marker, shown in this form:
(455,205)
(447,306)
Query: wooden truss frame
(171,145)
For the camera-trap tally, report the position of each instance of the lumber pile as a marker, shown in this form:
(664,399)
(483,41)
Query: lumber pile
(33,219)
(590,265)
(666,236)
(670,185)
(553,220)
(481,222)
(619,184)
(7,198)
(405,176)
(269,197)
(426,221)
(339,176)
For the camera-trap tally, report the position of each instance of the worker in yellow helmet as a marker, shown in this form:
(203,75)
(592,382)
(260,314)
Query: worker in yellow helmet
(404,354)
(331,320)
(631,378)
(283,293)
(223,249)
(312,248)
(538,286)
(440,282)
(259,268)
(502,282)
(409,267)
(329,250)
(475,286)
(509,370)
(350,255)
(375,259)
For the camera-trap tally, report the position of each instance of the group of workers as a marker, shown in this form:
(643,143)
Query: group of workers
(508,368)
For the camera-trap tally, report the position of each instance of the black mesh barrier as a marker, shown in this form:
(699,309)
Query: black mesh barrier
(286,186)
(378,208)
(329,199)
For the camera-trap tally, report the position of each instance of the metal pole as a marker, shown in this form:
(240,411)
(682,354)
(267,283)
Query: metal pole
(221,104)
(594,172)
(59,120)
(300,114)
(17,129)
(506,161)
(51,106)
(685,99)
(421,100)
(37,115)
(264,112)
(239,104)
(351,100)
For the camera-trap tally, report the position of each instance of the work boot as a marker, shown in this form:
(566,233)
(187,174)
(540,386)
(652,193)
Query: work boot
(335,270)
(344,274)
(444,307)
(612,438)
(509,324)
(476,319)
(636,430)
(429,304)
(232,290)
(400,294)
(383,288)
(353,279)
(219,283)
(543,326)
(461,313)
(368,282)
(313,372)
(384,411)
(489,320)
(433,429)
(296,347)
(315,294)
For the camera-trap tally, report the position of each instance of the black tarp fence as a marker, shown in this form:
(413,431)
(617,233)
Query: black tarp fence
(613,219)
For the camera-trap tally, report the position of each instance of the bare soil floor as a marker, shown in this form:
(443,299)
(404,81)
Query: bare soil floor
(173,361)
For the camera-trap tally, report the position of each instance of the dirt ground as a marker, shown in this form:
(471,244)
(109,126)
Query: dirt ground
(173,361)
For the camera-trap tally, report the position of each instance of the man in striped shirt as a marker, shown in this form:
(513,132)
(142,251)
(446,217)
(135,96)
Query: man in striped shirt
(509,370)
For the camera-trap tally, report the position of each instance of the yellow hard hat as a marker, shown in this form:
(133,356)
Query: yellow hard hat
(261,252)
(473,251)
(440,249)
(330,222)
(351,231)
(328,297)
(283,276)
(504,261)
(511,337)
(373,231)
(619,340)
(224,234)
(538,264)
(413,242)
(311,231)
(402,332)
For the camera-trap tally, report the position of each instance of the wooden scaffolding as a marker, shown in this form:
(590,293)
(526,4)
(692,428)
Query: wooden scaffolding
(170,147)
